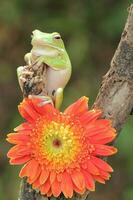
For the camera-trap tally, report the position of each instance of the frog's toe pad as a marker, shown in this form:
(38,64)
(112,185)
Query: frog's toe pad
(45,99)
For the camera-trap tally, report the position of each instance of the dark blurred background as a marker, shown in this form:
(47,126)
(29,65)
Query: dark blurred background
(91,31)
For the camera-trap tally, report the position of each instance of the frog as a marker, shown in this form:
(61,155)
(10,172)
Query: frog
(49,49)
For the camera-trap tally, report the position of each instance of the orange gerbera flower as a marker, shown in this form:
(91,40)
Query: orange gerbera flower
(62,151)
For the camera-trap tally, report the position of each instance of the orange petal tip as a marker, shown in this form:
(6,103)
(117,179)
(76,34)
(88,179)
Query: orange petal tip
(114,151)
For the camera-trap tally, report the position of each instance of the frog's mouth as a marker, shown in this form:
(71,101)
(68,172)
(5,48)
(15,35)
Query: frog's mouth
(43,44)
(42,48)
(51,52)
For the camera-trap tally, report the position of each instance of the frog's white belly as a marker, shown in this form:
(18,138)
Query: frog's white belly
(56,79)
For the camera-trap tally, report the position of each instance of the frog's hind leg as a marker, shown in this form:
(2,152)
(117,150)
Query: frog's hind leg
(58,97)
(44,99)
(27,58)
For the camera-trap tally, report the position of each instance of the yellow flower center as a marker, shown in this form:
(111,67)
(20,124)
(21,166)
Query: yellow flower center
(59,145)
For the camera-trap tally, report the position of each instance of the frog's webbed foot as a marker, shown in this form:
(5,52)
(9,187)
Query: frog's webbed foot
(38,62)
(45,99)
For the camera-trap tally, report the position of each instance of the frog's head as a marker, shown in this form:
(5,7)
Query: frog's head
(47,40)
(50,47)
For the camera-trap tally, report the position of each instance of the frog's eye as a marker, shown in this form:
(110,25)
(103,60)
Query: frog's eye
(57,37)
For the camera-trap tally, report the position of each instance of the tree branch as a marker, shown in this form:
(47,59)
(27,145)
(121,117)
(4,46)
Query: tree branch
(115,96)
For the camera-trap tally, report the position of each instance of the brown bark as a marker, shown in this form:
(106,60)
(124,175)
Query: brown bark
(115,97)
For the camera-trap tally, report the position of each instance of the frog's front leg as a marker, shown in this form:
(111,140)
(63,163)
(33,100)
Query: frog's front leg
(39,61)
(21,80)
(28,59)
(58,97)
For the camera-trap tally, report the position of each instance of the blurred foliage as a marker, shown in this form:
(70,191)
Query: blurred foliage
(91,30)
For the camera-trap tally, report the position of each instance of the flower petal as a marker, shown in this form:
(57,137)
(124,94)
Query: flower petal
(24,126)
(102,138)
(44,176)
(100,126)
(76,189)
(78,107)
(89,181)
(36,184)
(92,168)
(17,138)
(52,177)
(78,179)
(104,150)
(90,116)
(49,193)
(19,160)
(23,171)
(99,179)
(19,151)
(32,168)
(36,177)
(101,164)
(45,187)
(56,188)
(104,175)
(67,185)
(46,109)
(27,110)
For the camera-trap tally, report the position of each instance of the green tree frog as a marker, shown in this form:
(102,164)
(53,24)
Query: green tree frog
(49,49)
